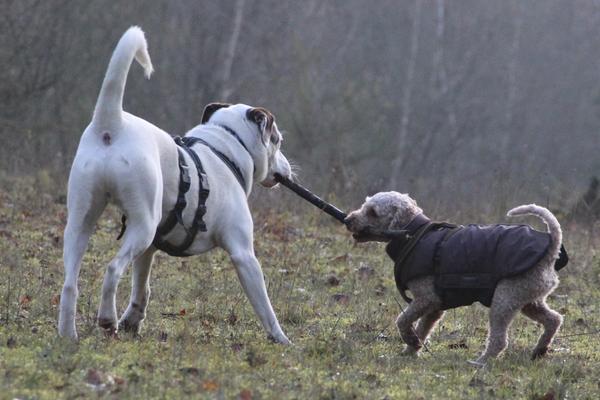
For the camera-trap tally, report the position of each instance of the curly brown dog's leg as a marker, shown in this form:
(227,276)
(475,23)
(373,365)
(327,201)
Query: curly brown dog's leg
(427,323)
(405,320)
(551,321)
(501,315)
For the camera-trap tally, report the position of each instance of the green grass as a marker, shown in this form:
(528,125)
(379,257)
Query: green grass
(202,340)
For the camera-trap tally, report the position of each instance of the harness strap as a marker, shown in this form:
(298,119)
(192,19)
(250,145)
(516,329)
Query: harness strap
(191,140)
(175,216)
(239,139)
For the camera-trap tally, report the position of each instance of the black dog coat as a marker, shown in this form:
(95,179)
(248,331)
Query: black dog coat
(466,261)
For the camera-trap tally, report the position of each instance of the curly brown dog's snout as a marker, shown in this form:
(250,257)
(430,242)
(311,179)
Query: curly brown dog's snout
(350,221)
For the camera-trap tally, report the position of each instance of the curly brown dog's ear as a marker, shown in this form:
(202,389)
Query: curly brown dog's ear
(210,109)
(405,210)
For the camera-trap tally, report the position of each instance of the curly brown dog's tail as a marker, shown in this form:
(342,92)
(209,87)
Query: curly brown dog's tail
(549,219)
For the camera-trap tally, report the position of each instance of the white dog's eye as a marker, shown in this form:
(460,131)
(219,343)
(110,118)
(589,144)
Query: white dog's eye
(275,139)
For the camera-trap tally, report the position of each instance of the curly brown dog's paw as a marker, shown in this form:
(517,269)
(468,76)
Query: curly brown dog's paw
(539,353)
(410,351)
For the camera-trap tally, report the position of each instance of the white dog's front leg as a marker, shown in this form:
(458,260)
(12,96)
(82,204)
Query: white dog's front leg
(251,277)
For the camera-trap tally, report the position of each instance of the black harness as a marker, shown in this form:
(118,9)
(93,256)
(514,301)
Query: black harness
(175,216)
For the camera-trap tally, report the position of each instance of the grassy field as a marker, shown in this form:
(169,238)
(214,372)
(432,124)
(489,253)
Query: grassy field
(335,300)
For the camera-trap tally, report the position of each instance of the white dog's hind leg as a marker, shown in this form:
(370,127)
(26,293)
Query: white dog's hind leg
(138,237)
(84,211)
(140,293)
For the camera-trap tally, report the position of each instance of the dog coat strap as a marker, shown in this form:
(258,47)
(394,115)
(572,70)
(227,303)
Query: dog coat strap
(399,249)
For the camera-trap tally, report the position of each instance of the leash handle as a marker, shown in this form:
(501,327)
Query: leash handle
(311,198)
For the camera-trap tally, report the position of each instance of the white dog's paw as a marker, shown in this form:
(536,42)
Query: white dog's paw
(280,339)
(67,331)
(131,326)
(70,334)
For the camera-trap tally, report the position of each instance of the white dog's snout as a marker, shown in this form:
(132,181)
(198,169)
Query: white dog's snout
(280,166)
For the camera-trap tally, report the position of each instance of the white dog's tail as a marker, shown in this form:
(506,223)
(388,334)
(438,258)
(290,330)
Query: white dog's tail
(549,219)
(109,107)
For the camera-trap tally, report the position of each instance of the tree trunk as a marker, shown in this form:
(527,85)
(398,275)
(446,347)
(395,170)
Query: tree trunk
(507,132)
(401,144)
(225,90)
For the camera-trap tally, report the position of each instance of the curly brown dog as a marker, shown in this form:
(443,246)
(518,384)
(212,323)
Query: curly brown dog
(528,280)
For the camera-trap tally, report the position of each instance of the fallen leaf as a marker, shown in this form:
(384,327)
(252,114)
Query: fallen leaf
(548,396)
(245,394)
(237,347)
(56,240)
(379,290)
(342,258)
(55,300)
(119,381)
(254,359)
(341,298)
(191,371)
(210,385)
(182,312)
(24,299)
(459,345)
(232,318)
(94,377)
(332,280)
(476,382)
(365,271)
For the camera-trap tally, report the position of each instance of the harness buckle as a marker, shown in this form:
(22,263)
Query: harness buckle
(185,175)
(205,186)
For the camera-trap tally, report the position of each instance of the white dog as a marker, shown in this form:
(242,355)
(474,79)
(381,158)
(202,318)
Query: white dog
(139,167)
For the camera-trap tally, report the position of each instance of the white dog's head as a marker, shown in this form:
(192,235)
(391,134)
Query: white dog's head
(382,211)
(257,129)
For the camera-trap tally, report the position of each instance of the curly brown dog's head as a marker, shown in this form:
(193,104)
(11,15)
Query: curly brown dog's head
(382,211)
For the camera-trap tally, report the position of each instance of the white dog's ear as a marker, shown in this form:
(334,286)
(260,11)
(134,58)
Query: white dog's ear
(210,109)
(264,120)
